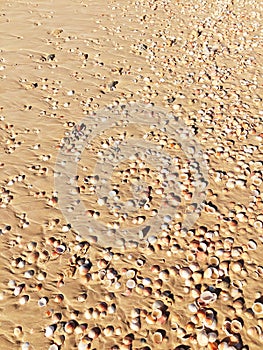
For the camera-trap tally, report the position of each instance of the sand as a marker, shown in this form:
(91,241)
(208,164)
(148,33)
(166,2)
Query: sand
(61,61)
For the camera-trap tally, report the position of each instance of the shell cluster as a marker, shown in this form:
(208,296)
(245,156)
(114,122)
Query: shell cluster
(198,287)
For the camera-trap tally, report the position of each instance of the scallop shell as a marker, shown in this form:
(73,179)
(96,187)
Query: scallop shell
(257,308)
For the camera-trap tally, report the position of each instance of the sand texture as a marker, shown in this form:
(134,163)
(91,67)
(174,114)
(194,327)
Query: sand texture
(198,287)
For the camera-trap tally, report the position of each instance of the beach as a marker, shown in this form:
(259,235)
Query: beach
(138,119)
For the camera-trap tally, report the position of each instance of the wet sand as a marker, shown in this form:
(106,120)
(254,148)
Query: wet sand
(194,289)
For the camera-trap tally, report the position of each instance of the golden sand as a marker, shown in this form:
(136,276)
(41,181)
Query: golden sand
(195,288)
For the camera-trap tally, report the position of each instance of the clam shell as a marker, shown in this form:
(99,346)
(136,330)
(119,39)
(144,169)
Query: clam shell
(185,273)
(70,326)
(49,331)
(94,333)
(157,337)
(208,297)
(236,326)
(202,338)
(257,308)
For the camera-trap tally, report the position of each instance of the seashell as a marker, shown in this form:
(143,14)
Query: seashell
(236,266)
(192,308)
(83,344)
(197,277)
(135,324)
(49,331)
(157,337)
(236,326)
(56,317)
(156,314)
(88,314)
(257,308)
(208,273)
(202,338)
(180,332)
(24,299)
(147,282)
(18,331)
(59,298)
(41,276)
(213,260)
(102,306)
(194,266)
(108,331)
(84,269)
(164,275)
(212,337)
(53,347)
(112,309)
(95,314)
(18,289)
(60,249)
(131,284)
(94,333)
(150,319)
(32,257)
(258,224)
(130,274)
(80,329)
(70,326)
(252,245)
(158,304)
(42,302)
(208,297)
(185,273)
(29,273)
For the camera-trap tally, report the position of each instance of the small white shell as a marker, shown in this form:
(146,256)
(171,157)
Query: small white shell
(202,338)
(42,302)
(185,273)
(53,347)
(208,297)
(49,331)
(18,290)
(130,284)
(29,273)
(252,245)
(192,308)
(24,299)
(158,304)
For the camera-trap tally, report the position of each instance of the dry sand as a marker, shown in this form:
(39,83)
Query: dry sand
(201,59)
